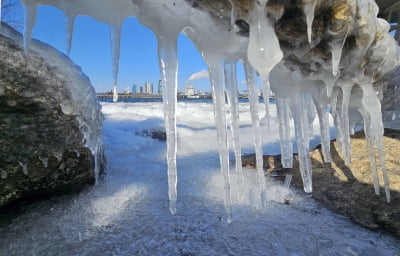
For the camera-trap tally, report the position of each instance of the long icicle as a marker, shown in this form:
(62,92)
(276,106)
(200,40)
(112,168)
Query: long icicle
(344,115)
(303,139)
(1,7)
(70,31)
(253,98)
(374,133)
(321,104)
(215,66)
(30,19)
(309,9)
(231,86)
(285,139)
(115,48)
(266,93)
(168,61)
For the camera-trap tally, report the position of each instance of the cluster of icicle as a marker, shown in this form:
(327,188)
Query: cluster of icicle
(298,97)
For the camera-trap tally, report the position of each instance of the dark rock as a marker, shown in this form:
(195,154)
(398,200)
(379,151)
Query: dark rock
(42,145)
(154,134)
(271,162)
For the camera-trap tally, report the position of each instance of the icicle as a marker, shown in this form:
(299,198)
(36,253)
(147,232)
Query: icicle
(370,110)
(263,51)
(266,93)
(334,98)
(284,133)
(311,114)
(231,86)
(1,7)
(30,20)
(309,8)
(168,60)
(344,115)
(97,163)
(288,180)
(339,131)
(115,48)
(330,82)
(215,66)
(322,107)
(70,31)
(115,93)
(303,139)
(253,98)
(336,52)
(233,15)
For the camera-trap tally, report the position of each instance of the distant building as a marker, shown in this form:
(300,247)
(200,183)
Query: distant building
(159,87)
(127,90)
(141,90)
(134,88)
(148,88)
(190,90)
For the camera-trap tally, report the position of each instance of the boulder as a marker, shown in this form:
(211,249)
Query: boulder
(50,123)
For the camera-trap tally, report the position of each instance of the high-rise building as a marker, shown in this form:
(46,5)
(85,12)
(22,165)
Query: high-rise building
(141,90)
(148,88)
(159,87)
(134,88)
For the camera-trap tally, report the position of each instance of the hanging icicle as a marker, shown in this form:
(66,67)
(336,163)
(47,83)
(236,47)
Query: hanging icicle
(285,137)
(70,32)
(309,8)
(215,66)
(231,86)
(321,103)
(30,20)
(115,48)
(253,99)
(300,117)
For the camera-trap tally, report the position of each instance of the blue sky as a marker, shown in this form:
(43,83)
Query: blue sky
(92,51)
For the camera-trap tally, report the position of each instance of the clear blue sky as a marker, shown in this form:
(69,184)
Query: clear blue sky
(92,51)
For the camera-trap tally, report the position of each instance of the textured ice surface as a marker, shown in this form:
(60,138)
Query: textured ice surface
(218,43)
(127,214)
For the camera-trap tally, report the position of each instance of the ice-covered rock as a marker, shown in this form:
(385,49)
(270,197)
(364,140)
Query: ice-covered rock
(50,122)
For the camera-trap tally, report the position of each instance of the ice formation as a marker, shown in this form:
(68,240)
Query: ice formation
(0,9)
(303,80)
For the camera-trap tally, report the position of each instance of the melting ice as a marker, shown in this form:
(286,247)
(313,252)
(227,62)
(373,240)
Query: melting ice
(299,95)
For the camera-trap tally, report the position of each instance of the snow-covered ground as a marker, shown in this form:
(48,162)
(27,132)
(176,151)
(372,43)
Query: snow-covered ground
(128,212)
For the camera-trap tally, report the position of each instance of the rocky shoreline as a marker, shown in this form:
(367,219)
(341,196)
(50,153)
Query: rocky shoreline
(348,190)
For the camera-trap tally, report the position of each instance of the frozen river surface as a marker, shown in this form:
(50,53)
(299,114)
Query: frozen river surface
(128,212)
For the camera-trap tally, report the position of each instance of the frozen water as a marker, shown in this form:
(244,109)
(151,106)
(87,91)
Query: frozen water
(115,48)
(70,32)
(127,213)
(253,99)
(231,86)
(309,7)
